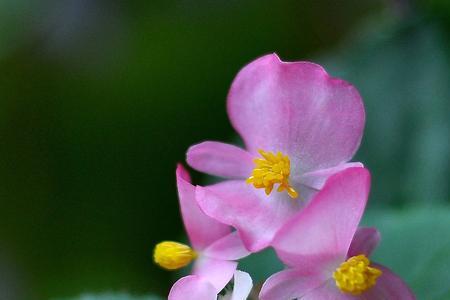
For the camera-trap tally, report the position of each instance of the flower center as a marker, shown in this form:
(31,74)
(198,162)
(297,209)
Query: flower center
(355,276)
(173,255)
(272,169)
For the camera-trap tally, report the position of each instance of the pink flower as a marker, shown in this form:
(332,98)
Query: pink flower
(327,254)
(299,126)
(196,287)
(213,246)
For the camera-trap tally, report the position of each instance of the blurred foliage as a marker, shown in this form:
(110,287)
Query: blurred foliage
(415,244)
(256,265)
(113,296)
(100,99)
(402,71)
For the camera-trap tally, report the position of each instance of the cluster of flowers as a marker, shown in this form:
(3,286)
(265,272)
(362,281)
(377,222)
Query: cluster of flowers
(300,128)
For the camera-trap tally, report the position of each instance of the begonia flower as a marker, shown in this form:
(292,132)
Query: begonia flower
(213,245)
(196,287)
(327,254)
(299,126)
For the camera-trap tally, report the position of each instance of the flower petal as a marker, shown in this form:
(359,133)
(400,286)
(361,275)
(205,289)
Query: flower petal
(194,286)
(389,286)
(316,179)
(296,108)
(220,159)
(291,284)
(201,229)
(242,285)
(230,247)
(364,242)
(329,291)
(322,232)
(255,216)
(217,272)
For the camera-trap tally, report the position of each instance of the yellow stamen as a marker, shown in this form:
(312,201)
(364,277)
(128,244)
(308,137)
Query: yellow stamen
(173,255)
(272,169)
(355,276)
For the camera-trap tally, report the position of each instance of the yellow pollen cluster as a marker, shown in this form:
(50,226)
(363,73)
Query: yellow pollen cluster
(173,255)
(355,276)
(270,170)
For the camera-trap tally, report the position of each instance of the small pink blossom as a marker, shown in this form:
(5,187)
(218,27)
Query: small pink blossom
(215,246)
(199,288)
(313,120)
(320,238)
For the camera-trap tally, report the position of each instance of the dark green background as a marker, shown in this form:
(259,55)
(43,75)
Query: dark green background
(100,99)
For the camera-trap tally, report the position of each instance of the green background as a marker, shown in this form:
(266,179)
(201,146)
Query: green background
(100,99)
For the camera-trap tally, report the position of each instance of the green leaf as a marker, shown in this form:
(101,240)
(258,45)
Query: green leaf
(416,245)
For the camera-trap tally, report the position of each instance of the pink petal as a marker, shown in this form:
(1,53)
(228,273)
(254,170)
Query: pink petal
(220,159)
(242,285)
(316,179)
(255,216)
(329,291)
(230,247)
(389,286)
(217,272)
(296,108)
(365,241)
(291,284)
(201,229)
(194,286)
(322,232)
